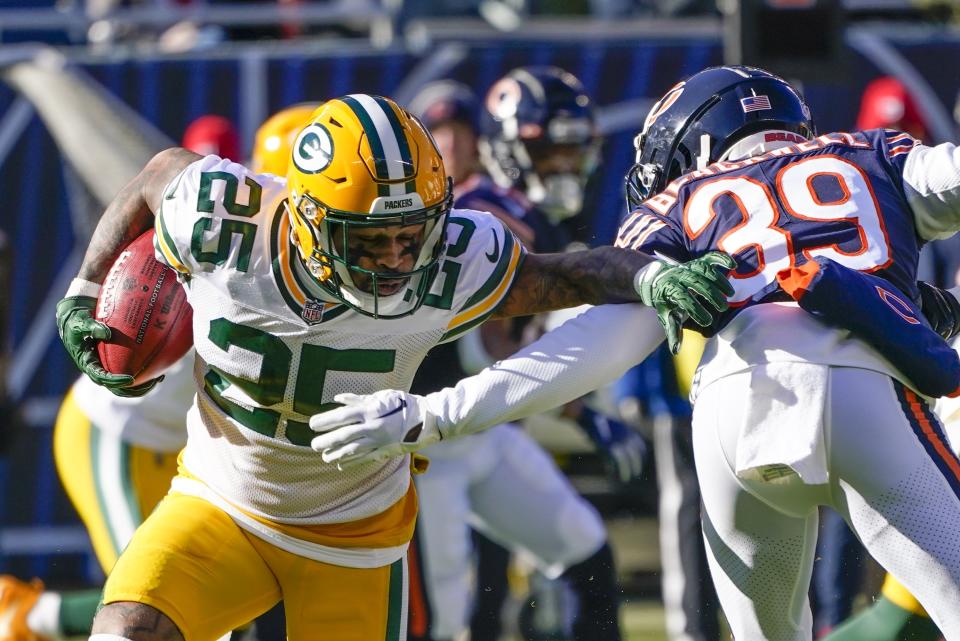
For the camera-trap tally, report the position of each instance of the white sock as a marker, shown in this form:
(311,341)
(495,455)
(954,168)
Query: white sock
(44,617)
(107,637)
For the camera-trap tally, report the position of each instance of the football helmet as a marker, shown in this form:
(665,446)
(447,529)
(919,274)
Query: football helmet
(274,138)
(445,100)
(364,171)
(709,117)
(538,135)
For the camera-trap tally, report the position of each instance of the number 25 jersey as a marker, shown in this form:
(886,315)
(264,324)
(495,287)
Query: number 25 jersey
(866,200)
(273,348)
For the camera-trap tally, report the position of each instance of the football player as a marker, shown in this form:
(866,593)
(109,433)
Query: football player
(274,139)
(729,160)
(115,457)
(333,282)
(484,480)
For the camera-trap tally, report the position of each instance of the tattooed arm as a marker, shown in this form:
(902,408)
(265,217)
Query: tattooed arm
(129,215)
(546,282)
(131,212)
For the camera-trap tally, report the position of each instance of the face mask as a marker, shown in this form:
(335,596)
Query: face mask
(562,196)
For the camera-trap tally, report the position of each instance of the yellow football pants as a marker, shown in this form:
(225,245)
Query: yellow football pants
(193,563)
(113,485)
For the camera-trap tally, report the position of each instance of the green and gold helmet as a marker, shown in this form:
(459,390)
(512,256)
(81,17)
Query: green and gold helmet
(363,170)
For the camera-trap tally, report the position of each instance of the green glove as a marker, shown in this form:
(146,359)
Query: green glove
(79,331)
(678,291)
(136,390)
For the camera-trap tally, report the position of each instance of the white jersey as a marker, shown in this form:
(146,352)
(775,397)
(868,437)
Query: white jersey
(273,348)
(155,421)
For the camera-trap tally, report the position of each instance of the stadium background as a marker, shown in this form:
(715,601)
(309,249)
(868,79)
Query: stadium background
(43,209)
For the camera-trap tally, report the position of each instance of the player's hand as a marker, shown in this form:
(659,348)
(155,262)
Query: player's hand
(134,391)
(679,291)
(373,427)
(79,332)
(622,448)
(941,309)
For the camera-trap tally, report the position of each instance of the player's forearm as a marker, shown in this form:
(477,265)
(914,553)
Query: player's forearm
(131,212)
(547,282)
(584,353)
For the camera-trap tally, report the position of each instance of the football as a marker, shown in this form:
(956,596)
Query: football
(147,312)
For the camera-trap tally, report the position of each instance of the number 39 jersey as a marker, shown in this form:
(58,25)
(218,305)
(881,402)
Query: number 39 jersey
(273,348)
(866,200)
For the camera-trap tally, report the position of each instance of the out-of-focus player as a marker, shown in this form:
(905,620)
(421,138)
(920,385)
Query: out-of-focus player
(729,159)
(334,281)
(115,457)
(501,482)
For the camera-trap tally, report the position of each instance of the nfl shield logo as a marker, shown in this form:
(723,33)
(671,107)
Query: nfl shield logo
(312,312)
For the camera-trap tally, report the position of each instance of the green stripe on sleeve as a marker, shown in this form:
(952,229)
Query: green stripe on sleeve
(161,229)
(497,276)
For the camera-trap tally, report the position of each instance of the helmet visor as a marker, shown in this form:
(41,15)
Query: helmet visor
(383,263)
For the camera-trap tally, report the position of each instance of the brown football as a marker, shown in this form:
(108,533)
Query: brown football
(147,312)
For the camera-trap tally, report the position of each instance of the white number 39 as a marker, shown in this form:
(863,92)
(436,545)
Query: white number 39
(774,248)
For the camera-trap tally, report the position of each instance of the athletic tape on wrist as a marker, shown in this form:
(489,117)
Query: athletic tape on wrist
(81,287)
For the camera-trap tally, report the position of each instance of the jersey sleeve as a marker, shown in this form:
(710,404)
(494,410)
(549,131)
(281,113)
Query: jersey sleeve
(931,182)
(486,257)
(207,218)
(654,234)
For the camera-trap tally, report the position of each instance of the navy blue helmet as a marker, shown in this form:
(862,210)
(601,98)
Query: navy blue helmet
(709,117)
(446,100)
(539,135)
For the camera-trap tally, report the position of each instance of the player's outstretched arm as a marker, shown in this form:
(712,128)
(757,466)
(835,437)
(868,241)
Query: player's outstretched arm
(696,289)
(583,354)
(126,217)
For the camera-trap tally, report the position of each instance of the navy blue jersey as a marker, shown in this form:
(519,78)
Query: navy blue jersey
(839,196)
(530,225)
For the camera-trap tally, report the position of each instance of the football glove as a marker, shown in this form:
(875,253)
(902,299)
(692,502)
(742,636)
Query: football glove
(373,427)
(136,390)
(678,291)
(622,448)
(940,308)
(79,332)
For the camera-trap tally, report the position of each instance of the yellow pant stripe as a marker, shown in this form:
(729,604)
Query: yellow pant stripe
(111,484)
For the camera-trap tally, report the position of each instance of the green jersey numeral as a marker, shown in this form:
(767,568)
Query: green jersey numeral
(205,204)
(270,384)
(228,228)
(451,269)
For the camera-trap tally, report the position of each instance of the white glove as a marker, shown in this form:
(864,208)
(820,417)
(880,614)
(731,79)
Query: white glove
(373,427)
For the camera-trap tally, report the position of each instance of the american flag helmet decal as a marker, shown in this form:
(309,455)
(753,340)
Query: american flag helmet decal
(755,103)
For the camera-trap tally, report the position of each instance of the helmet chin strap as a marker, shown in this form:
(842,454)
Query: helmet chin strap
(703,158)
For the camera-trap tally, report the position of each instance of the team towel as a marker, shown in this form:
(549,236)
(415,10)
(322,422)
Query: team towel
(783,423)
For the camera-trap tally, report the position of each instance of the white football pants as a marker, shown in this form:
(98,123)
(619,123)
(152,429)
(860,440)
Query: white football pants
(892,477)
(505,485)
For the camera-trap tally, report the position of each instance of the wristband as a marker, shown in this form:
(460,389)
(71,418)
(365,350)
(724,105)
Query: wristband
(80,287)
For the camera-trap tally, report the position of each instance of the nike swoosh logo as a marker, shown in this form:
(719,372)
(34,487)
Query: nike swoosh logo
(171,193)
(492,257)
(402,406)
